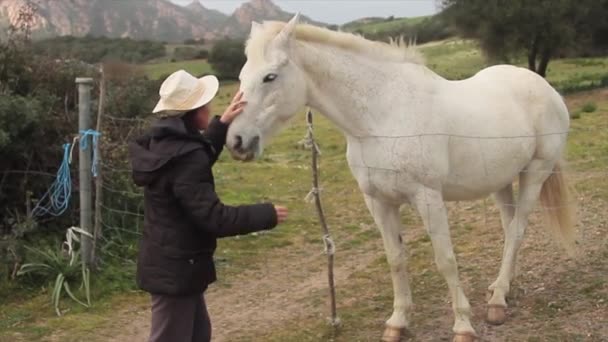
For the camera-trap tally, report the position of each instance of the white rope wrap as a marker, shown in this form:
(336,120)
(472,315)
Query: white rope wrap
(330,247)
(310,197)
(309,141)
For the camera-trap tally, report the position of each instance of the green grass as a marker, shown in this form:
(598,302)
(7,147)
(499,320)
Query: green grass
(195,67)
(588,148)
(454,59)
(459,59)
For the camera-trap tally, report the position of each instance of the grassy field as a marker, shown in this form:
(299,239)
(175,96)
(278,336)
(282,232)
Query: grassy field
(195,67)
(384,25)
(459,59)
(272,286)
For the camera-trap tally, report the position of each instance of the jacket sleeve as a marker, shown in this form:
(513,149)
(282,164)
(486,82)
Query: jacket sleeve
(216,135)
(195,193)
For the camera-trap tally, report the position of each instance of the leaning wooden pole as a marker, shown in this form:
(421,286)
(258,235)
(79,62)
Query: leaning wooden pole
(329,244)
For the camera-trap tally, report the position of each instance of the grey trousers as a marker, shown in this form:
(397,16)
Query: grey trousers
(180,319)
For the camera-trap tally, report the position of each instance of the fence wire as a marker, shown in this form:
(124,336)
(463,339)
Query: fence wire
(287,264)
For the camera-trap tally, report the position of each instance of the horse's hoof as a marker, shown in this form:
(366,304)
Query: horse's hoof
(497,314)
(465,337)
(393,334)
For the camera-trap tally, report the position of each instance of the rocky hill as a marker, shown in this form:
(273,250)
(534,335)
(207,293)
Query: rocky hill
(142,19)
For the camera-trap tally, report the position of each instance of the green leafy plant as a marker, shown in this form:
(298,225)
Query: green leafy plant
(65,266)
(589,107)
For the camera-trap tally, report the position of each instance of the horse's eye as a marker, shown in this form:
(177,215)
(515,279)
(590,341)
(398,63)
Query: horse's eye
(270,78)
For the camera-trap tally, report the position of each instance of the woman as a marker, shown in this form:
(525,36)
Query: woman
(183,215)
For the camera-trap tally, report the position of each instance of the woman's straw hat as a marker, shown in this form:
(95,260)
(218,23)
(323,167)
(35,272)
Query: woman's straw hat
(182,92)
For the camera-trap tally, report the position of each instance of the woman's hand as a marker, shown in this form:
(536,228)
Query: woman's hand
(235,108)
(281,214)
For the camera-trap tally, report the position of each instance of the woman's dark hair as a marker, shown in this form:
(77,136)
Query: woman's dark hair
(188,119)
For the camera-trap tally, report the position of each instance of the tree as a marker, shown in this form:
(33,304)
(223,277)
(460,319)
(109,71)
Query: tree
(542,29)
(227,58)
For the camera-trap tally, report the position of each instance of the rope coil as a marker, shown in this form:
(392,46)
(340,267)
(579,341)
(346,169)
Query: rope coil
(57,198)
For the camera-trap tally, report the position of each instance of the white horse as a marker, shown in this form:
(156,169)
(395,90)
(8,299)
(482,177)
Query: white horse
(414,137)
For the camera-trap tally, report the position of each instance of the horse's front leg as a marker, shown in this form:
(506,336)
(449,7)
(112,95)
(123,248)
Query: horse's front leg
(433,212)
(386,216)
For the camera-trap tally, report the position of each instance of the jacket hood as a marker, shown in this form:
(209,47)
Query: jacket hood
(167,139)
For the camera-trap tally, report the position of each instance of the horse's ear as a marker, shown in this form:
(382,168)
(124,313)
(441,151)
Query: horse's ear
(284,37)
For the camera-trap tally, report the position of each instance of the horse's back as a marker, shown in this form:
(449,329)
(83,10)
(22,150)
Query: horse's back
(501,119)
(527,88)
(506,93)
(539,100)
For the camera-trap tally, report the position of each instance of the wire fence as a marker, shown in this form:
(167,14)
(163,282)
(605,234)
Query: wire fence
(126,199)
(117,131)
(295,257)
(300,266)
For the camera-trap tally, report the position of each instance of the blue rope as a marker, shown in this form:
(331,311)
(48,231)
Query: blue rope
(84,144)
(57,198)
(58,195)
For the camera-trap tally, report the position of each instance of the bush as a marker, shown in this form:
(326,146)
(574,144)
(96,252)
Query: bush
(227,58)
(589,107)
(38,114)
(192,41)
(186,53)
(202,54)
(99,49)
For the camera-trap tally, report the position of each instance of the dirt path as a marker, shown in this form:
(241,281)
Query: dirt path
(256,300)
(267,299)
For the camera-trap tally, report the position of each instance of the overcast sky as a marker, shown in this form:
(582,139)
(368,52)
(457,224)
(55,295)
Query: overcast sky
(336,11)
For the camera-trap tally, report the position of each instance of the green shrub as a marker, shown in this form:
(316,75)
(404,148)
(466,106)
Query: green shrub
(185,53)
(64,267)
(99,49)
(589,107)
(227,58)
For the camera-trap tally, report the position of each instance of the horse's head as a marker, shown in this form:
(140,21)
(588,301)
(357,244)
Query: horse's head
(273,86)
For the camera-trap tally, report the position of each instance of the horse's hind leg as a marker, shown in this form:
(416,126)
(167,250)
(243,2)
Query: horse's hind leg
(432,209)
(515,223)
(386,216)
(506,204)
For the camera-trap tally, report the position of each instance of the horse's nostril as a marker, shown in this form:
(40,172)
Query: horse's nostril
(238,143)
(254,142)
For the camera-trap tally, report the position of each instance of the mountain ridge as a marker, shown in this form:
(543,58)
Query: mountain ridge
(159,20)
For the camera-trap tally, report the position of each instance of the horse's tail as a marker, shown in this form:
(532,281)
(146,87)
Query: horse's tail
(559,209)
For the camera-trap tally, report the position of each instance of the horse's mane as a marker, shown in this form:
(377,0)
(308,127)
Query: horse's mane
(395,51)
